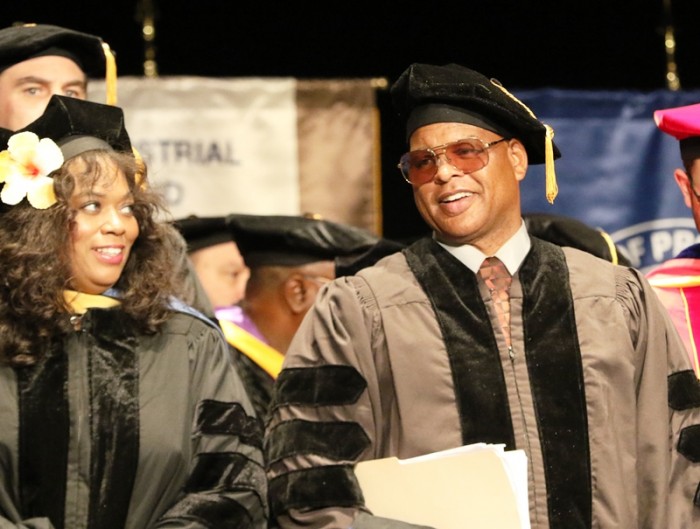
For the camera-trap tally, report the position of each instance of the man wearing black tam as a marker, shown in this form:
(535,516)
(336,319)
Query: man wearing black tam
(291,257)
(216,261)
(484,333)
(40,60)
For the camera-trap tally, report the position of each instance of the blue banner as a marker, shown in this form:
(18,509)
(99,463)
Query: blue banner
(616,169)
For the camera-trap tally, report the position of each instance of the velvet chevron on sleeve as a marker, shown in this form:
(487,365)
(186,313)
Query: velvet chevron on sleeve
(138,432)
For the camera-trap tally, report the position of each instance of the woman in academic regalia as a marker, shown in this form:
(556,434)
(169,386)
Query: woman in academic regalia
(119,407)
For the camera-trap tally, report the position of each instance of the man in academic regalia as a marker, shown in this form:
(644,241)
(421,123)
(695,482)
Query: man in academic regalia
(677,281)
(216,262)
(291,257)
(485,333)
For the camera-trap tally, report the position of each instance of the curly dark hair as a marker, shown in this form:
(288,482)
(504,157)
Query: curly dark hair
(35,266)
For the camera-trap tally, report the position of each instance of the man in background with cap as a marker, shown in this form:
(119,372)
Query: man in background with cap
(216,261)
(40,60)
(290,258)
(677,281)
(484,333)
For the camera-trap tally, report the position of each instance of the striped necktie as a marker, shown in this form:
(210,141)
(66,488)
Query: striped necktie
(498,279)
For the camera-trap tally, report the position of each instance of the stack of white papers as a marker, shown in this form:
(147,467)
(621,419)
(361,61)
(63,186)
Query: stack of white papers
(478,486)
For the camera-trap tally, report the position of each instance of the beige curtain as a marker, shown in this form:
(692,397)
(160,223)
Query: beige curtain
(339,161)
(286,146)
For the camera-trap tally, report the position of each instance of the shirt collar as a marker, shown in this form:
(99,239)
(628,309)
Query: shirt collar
(512,253)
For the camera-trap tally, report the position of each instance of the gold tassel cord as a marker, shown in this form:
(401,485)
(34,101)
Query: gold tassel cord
(110,75)
(691,335)
(551,187)
(141,168)
(611,246)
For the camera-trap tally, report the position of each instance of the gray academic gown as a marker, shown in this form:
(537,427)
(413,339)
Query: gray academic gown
(407,358)
(118,430)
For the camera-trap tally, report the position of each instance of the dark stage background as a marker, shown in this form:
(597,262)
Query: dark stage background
(593,45)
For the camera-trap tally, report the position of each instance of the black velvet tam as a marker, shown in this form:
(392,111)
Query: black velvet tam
(22,42)
(203,232)
(78,126)
(279,240)
(425,94)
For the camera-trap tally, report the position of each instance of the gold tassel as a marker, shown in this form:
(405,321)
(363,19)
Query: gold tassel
(141,168)
(551,188)
(550,178)
(110,75)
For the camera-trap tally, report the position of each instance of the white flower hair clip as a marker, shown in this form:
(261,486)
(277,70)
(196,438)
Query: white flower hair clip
(24,168)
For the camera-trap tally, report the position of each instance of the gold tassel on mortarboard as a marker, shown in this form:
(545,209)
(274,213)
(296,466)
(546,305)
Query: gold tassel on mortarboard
(111,99)
(110,75)
(550,177)
(141,168)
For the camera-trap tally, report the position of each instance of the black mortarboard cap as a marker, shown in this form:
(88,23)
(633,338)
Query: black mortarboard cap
(425,94)
(566,231)
(21,42)
(279,240)
(77,126)
(351,264)
(203,232)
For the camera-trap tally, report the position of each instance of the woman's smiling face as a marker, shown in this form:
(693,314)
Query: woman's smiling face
(103,231)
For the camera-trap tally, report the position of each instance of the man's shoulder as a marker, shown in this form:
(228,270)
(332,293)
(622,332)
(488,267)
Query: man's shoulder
(686,263)
(390,281)
(577,257)
(589,274)
(189,322)
(679,272)
(391,264)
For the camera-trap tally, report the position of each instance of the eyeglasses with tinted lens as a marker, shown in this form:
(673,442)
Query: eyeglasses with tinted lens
(467,155)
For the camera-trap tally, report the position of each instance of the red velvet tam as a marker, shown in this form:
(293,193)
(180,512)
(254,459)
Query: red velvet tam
(683,123)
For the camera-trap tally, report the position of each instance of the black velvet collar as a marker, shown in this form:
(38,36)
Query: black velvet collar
(553,359)
(114,423)
(114,392)
(480,389)
(43,437)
